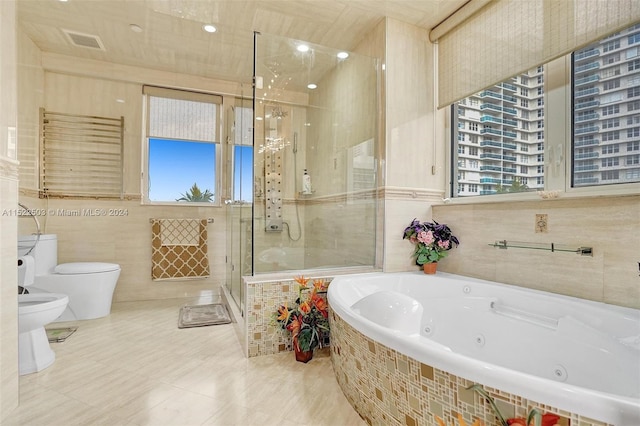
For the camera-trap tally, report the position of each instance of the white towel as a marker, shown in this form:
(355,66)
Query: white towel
(180,232)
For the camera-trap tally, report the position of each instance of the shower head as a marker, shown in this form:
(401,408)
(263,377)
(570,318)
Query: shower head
(295,142)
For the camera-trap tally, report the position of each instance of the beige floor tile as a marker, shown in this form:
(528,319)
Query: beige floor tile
(136,367)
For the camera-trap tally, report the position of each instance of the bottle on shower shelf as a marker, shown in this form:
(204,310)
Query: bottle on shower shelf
(306,183)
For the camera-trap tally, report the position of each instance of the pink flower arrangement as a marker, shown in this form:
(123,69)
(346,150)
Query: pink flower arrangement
(432,240)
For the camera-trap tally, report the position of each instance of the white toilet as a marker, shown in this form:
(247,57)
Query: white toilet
(89,285)
(35,310)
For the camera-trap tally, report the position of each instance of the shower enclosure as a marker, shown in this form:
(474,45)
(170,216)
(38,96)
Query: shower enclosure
(315,160)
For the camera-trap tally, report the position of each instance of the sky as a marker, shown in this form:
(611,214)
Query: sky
(242,174)
(175,165)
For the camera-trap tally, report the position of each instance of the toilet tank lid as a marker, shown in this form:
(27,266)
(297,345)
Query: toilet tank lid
(85,267)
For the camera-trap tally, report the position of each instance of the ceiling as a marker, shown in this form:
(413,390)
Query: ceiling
(172,38)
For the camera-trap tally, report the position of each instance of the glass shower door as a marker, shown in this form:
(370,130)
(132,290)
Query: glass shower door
(239,206)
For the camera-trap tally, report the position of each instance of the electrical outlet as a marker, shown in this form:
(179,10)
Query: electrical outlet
(541,224)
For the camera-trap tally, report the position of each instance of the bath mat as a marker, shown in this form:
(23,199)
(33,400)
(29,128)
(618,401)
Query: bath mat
(59,335)
(202,315)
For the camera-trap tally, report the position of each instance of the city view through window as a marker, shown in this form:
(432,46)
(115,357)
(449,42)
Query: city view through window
(500,131)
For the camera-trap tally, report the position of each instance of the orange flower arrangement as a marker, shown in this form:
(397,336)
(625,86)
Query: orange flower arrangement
(308,321)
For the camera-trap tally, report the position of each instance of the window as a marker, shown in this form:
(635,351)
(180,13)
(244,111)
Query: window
(611,136)
(584,173)
(183,147)
(605,99)
(611,84)
(612,45)
(610,72)
(243,153)
(612,59)
(500,114)
(635,38)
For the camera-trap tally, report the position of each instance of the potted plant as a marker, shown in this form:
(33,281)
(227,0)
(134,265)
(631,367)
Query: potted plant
(432,240)
(308,320)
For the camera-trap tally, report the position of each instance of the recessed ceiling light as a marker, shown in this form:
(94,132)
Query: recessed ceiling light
(312,85)
(135,28)
(342,55)
(302,48)
(209,28)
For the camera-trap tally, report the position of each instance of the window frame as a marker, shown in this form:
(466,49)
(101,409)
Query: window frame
(148,92)
(558,151)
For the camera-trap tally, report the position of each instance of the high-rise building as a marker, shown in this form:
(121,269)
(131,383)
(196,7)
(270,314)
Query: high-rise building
(501,137)
(500,130)
(607,110)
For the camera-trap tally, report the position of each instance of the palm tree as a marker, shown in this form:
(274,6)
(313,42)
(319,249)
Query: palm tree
(194,195)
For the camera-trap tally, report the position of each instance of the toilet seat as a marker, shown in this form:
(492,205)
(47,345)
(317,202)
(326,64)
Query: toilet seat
(36,302)
(85,268)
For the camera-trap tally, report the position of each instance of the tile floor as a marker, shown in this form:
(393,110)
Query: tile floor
(136,367)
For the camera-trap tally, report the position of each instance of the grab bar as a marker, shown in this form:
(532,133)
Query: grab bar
(530,317)
(38,232)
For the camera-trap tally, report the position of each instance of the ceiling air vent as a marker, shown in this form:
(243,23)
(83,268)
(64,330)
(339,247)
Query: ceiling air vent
(89,41)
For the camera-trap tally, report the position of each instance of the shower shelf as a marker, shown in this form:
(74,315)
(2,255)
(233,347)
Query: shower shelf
(553,247)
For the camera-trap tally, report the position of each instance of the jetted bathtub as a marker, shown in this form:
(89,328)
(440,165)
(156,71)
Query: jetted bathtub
(573,354)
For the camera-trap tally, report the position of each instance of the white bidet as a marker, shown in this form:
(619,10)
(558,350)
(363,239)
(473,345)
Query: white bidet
(36,310)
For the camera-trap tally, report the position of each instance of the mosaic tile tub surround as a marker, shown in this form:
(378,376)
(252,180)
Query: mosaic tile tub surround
(263,336)
(389,388)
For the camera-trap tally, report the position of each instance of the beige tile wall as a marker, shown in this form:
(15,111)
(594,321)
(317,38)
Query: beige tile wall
(610,225)
(8,218)
(51,82)
(126,240)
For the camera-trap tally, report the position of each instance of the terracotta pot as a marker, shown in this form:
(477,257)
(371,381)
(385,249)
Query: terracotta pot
(430,268)
(302,356)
